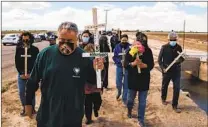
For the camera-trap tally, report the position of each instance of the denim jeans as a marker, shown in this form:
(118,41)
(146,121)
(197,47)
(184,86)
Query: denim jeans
(21,89)
(175,77)
(119,84)
(142,96)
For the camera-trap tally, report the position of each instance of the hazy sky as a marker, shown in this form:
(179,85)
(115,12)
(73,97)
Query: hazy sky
(124,15)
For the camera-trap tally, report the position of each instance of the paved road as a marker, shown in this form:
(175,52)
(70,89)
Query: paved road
(8,61)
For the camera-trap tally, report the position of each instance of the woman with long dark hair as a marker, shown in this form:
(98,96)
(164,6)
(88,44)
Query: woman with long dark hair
(139,82)
(26,40)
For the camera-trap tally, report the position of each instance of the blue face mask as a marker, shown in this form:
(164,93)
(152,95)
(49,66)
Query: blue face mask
(172,43)
(85,39)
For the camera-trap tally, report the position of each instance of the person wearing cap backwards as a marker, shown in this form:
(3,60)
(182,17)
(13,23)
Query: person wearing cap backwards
(138,82)
(26,40)
(167,54)
(63,73)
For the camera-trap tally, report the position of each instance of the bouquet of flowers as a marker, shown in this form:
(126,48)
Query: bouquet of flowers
(137,50)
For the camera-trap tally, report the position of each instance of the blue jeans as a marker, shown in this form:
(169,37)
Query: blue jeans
(119,84)
(142,96)
(21,88)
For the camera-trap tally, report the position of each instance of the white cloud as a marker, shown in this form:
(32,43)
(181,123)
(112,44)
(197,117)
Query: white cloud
(162,16)
(25,5)
(197,4)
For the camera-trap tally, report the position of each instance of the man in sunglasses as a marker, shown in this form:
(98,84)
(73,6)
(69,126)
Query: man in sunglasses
(26,39)
(167,54)
(63,73)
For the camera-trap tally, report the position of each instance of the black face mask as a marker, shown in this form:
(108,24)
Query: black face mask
(64,47)
(26,42)
(123,44)
(144,43)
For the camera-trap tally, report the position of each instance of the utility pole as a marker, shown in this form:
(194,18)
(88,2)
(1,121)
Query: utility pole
(184,32)
(106,18)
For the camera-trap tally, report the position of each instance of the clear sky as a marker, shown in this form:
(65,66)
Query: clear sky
(123,15)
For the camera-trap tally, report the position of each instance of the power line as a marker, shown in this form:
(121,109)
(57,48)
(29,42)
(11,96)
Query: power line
(184,31)
(106,18)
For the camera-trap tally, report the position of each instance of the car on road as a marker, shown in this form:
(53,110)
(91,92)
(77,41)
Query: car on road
(37,38)
(42,36)
(11,39)
(2,36)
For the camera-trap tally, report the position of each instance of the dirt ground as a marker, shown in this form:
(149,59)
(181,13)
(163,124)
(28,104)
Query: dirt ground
(112,112)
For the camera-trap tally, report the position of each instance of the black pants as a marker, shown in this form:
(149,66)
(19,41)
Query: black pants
(112,47)
(92,101)
(69,125)
(175,77)
(104,74)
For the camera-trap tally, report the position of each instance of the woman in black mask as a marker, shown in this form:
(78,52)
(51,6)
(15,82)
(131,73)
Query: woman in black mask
(139,82)
(26,40)
(121,73)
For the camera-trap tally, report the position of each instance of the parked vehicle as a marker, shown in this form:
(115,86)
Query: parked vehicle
(37,38)
(2,36)
(42,36)
(11,39)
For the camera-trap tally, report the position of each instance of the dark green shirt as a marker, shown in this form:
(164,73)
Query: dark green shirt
(62,86)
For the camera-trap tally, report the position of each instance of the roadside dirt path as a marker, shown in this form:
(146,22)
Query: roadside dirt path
(113,112)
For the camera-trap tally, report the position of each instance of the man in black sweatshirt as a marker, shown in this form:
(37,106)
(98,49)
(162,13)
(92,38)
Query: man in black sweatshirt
(63,73)
(26,40)
(167,54)
(104,47)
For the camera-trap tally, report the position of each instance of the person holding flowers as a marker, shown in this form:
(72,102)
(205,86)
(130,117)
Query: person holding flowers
(138,57)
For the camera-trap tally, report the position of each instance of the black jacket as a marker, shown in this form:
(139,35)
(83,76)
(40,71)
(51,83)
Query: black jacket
(20,61)
(139,81)
(167,55)
(114,41)
(104,47)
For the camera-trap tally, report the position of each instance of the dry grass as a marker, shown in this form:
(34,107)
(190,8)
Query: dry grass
(197,41)
(197,36)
